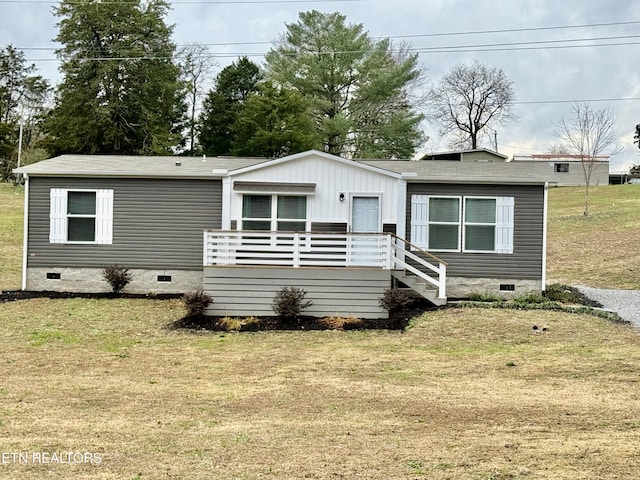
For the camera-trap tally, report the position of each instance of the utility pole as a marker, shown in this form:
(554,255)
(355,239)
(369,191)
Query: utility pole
(19,176)
(20,142)
(495,140)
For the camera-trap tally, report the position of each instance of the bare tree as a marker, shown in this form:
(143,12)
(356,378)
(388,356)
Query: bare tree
(196,64)
(560,149)
(471,98)
(590,134)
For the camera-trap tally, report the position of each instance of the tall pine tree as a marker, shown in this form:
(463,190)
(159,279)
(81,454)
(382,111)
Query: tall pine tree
(121,92)
(223,104)
(358,88)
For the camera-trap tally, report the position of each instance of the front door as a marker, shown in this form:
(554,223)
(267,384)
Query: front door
(365,214)
(365,218)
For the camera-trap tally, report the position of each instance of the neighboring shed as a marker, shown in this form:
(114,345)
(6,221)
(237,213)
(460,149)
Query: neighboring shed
(481,155)
(244,227)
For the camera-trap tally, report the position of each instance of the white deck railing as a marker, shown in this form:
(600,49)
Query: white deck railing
(318,249)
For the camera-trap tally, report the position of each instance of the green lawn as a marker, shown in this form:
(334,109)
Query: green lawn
(600,250)
(11,226)
(464,394)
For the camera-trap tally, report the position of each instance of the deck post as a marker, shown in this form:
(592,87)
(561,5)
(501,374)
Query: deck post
(205,254)
(296,250)
(442,281)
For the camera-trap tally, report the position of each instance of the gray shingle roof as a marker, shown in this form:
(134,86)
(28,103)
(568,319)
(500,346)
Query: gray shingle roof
(216,167)
(461,172)
(137,166)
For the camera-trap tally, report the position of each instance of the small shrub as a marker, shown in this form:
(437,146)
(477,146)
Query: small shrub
(395,301)
(484,297)
(289,303)
(529,298)
(117,276)
(563,294)
(196,303)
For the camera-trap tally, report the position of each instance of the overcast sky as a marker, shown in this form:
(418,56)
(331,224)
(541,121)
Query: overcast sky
(541,72)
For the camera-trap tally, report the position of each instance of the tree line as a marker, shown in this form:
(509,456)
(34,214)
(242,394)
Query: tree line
(325,84)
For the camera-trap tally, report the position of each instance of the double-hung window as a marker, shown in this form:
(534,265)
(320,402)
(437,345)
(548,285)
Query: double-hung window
(444,223)
(274,212)
(80,216)
(462,224)
(479,224)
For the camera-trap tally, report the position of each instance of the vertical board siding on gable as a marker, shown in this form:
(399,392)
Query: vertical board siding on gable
(526,260)
(157,223)
(331,178)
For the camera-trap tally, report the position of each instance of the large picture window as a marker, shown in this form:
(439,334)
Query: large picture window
(274,212)
(81,216)
(462,224)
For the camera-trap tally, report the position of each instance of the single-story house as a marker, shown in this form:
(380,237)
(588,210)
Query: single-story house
(566,170)
(242,228)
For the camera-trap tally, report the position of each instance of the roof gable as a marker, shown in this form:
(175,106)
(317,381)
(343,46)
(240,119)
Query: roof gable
(315,154)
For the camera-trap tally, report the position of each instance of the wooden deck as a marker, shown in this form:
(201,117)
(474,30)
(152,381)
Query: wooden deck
(343,274)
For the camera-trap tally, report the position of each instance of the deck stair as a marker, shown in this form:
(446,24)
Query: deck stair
(410,269)
(420,286)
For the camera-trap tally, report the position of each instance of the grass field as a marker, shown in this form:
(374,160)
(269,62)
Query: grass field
(464,394)
(600,250)
(11,217)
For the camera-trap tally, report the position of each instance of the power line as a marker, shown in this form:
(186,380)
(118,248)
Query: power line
(515,30)
(504,47)
(619,99)
(419,49)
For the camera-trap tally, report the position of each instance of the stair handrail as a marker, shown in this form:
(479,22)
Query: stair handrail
(413,246)
(441,270)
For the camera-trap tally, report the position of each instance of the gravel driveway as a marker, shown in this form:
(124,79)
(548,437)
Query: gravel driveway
(625,303)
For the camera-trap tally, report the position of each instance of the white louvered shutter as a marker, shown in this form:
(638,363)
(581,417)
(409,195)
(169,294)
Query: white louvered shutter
(419,220)
(104,216)
(504,224)
(57,215)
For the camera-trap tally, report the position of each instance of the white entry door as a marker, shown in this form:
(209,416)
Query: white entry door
(365,214)
(365,218)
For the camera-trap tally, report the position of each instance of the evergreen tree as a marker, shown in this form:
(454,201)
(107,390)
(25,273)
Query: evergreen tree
(121,91)
(223,104)
(357,88)
(273,122)
(23,99)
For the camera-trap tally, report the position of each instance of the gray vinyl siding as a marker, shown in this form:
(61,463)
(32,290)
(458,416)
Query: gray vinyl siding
(526,260)
(157,223)
(333,291)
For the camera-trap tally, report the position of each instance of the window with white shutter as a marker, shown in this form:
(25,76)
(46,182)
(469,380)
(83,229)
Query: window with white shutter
(468,224)
(81,216)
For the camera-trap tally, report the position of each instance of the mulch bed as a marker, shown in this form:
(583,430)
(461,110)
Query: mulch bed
(13,295)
